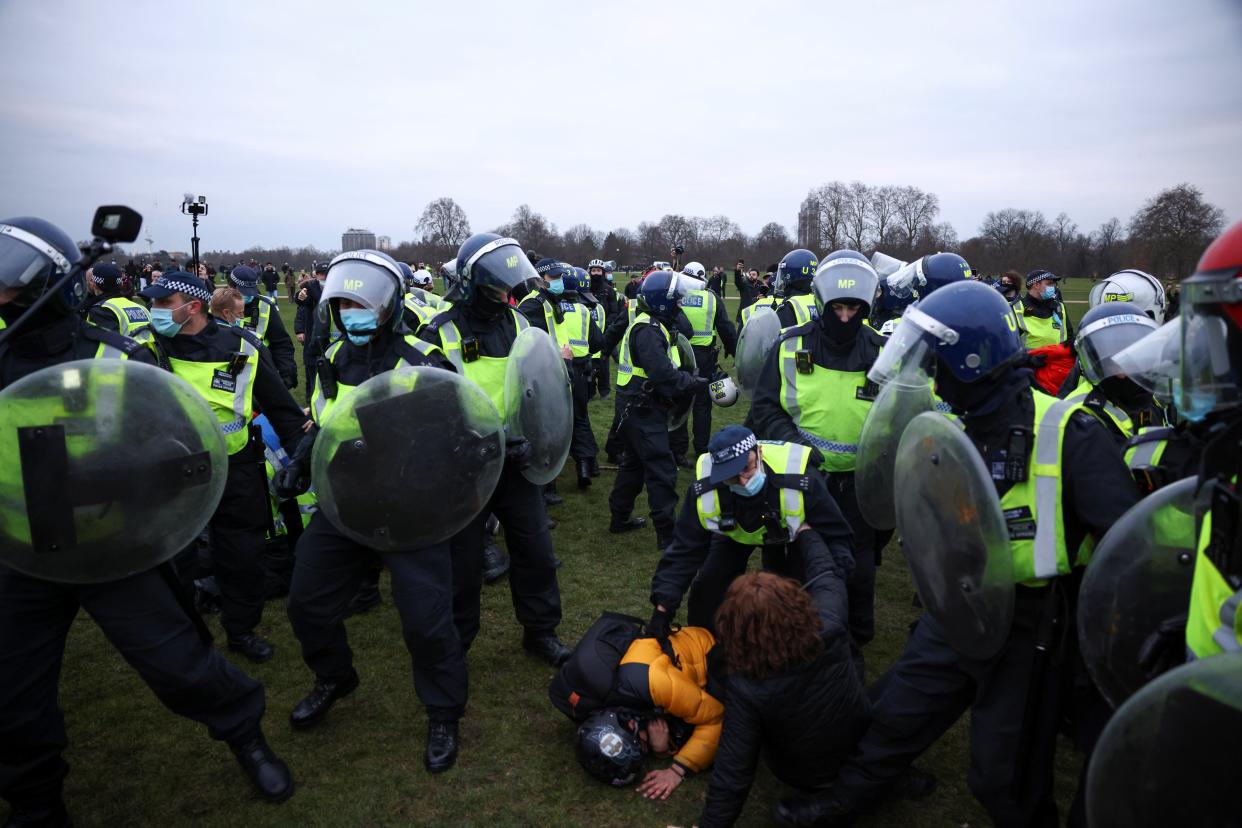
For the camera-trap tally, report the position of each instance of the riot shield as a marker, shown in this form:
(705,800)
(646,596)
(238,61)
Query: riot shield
(953,535)
(754,347)
(111,467)
(408,459)
(898,402)
(679,411)
(1169,754)
(538,404)
(1138,577)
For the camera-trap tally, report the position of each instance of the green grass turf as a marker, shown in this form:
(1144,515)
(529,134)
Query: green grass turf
(135,763)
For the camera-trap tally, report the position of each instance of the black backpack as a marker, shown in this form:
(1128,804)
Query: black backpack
(585,683)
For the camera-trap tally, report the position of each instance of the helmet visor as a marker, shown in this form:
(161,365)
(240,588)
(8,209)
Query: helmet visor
(886,265)
(908,352)
(906,282)
(500,266)
(24,257)
(1207,380)
(1099,342)
(680,285)
(358,280)
(1154,362)
(845,280)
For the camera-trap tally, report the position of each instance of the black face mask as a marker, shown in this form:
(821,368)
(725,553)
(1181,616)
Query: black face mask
(972,399)
(1125,392)
(485,305)
(838,332)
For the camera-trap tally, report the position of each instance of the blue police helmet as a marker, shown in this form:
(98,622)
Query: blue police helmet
(34,254)
(662,290)
(577,279)
(940,269)
(796,269)
(966,325)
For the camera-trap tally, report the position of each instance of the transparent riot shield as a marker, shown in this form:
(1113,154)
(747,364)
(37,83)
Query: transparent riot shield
(1138,578)
(1169,755)
(539,404)
(754,347)
(408,459)
(110,468)
(899,401)
(953,535)
(679,411)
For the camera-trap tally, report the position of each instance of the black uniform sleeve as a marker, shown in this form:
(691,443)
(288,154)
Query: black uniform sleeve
(682,559)
(613,333)
(769,418)
(595,338)
(101,317)
(533,311)
(648,351)
(272,398)
(1098,488)
(301,320)
(725,330)
(281,347)
(737,757)
(828,560)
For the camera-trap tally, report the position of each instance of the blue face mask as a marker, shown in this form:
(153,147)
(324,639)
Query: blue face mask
(163,322)
(753,486)
(359,324)
(249,300)
(557,287)
(1050,292)
(608,276)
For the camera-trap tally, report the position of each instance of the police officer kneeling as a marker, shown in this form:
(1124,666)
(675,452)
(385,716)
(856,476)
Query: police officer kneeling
(141,615)
(364,294)
(748,494)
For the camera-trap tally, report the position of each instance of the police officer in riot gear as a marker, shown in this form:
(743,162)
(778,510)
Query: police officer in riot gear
(233,371)
(263,318)
(364,293)
(1033,445)
(144,615)
(792,284)
(608,307)
(705,314)
(476,334)
(109,307)
(814,391)
(649,382)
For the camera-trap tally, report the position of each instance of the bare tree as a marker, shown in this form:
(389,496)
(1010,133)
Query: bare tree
(531,229)
(1172,229)
(770,244)
(883,203)
(915,211)
(580,244)
(1106,244)
(833,199)
(857,221)
(619,246)
(443,226)
(1064,235)
(713,235)
(677,230)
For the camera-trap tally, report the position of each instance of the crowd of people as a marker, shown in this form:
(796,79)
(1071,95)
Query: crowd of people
(1070,428)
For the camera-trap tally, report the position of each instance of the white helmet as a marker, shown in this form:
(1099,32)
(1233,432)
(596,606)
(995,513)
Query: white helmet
(596,263)
(423,278)
(696,270)
(1134,286)
(723,391)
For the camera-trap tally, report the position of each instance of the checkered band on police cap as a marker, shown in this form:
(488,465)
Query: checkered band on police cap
(184,283)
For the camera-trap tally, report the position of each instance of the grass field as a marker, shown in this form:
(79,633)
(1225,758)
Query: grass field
(134,763)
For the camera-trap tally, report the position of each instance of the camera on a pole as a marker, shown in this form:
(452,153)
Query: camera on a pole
(194,206)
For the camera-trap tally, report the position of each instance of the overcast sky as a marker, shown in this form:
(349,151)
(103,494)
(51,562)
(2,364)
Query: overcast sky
(299,119)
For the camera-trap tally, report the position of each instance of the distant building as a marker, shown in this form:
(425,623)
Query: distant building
(383,243)
(357,239)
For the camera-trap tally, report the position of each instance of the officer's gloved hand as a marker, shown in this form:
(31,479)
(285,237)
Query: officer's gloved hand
(1165,648)
(517,452)
(291,381)
(1037,360)
(292,480)
(659,625)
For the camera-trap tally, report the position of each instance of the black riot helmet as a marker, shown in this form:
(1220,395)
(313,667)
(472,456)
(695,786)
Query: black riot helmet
(34,255)
(795,271)
(494,265)
(608,748)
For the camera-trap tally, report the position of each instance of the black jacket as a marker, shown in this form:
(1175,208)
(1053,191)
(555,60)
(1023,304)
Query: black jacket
(785,311)
(94,312)
(804,722)
(215,343)
(684,557)
(277,340)
(746,291)
(53,338)
(649,351)
(494,332)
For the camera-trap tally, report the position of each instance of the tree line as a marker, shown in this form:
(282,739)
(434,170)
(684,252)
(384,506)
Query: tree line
(1164,236)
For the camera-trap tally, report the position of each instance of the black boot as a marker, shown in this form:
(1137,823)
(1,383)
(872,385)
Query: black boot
(584,473)
(594,461)
(547,646)
(270,775)
(253,647)
(441,753)
(47,815)
(495,562)
(625,523)
(806,811)
(319,701)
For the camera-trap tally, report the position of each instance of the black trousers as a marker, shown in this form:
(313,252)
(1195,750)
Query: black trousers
(602,380)
(143,618)
(931,686)
(701,413)
(726,560)
(647,461)
(309,355)
(583,445)
(238,538)
(328,570)
(518,504)
(861,585)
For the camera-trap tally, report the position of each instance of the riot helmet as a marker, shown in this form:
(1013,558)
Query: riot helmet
(371,279)
(1136,287)
(407,275)
(884,264)
(661,292)
(608,746)
(966,330)
(795,271)
(34,255)
(849,281)
(696,270)
(1105,331)
(423,279)
(577,281)
(923,276)
(490,267)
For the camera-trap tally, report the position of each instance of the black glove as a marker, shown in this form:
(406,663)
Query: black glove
(291,381)
(293,480)
(660,624)
(1165,648)
(1036,360)
(517,452)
